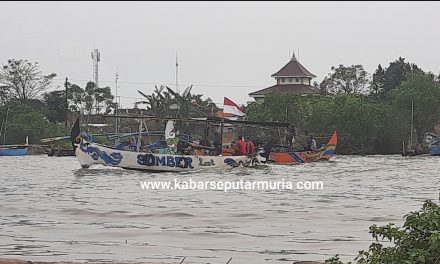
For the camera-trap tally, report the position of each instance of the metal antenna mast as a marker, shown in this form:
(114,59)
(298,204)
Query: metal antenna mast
(96,57)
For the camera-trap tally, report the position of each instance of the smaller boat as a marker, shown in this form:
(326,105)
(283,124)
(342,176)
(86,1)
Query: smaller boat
(297,157)
(435,149)
(13,150)
(432,141)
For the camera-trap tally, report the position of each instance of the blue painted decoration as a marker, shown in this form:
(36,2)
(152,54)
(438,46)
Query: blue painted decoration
(170,161)
(113,159)
(231,162)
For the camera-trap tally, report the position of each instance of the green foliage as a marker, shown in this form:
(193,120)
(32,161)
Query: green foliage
(345,80)
(166,102)
(56,105)
(418,241)
(424,91)
(91,98)
(23,120)
(373,124)
(23,80)
(364,125)
(385,80)
(258,112)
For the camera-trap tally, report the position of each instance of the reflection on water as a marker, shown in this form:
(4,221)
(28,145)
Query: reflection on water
(51,209)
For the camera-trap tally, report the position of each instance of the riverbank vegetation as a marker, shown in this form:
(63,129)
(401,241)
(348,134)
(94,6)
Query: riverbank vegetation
(371,115)
(417,242)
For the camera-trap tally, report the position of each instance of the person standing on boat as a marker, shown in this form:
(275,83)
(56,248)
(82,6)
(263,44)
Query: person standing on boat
(291,136)
(240,146)
(311,144)
(250,146)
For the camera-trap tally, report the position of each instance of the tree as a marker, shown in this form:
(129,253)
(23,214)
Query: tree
(103,97)
(76,95)
(25,121)
(56,105)
(418,241)
(365,126)
(424,91)
(4,94)
(89,97)
(385,80)
(345,80)
(166,102)
(24,80)
(377,82)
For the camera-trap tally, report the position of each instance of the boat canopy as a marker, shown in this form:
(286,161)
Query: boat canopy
(212,119)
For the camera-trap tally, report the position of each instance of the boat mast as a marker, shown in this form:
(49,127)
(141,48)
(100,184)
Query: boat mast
(6,122)
(412,123)
(138,143)
(67,102)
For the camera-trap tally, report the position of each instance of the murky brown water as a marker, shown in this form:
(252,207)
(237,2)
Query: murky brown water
(50,209)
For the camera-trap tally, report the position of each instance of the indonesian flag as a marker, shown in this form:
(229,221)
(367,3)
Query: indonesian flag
(231,108)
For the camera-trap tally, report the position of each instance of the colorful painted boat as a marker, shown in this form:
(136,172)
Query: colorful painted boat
(13,151)
(297,157)
(89,153)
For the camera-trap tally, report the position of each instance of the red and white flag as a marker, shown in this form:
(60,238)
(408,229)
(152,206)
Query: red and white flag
(231,108)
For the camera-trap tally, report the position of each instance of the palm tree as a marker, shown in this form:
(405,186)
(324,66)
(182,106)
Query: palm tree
(164,102)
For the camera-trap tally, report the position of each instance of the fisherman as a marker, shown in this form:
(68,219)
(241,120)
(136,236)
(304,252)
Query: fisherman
(217,144)
(240,146)
(291,136)
(311,144)
(250,146)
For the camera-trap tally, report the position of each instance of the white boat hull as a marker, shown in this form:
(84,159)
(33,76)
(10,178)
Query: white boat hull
(92,153)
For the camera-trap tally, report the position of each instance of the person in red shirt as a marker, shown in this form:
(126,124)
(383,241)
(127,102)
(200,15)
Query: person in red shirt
(250,146)
(240,146)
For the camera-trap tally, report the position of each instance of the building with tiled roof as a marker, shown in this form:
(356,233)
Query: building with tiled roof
(293,77)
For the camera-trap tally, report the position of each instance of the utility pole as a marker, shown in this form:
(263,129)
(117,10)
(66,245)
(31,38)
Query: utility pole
(177,75)
(67,103)
(116,110)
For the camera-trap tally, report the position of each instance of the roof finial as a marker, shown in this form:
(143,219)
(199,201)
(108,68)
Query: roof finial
(293,56)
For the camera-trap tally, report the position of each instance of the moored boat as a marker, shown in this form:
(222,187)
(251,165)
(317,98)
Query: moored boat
(297,157)
(13,150)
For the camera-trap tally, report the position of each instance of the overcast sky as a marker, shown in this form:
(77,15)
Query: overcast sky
(224,48)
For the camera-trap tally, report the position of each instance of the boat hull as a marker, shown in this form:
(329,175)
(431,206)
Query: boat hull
(298,157)
(435,150)
(90,153)
(13,151)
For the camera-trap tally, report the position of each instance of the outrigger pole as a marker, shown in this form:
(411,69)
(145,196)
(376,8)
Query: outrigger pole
(211,119)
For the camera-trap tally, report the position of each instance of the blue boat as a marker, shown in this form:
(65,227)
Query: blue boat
(435,148)
(13,151)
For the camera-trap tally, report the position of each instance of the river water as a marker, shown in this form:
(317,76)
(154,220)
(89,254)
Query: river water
(51,209)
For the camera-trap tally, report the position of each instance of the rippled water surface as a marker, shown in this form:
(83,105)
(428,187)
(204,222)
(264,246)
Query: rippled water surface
(51,209)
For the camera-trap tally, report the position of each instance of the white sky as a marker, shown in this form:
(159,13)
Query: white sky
(225,48)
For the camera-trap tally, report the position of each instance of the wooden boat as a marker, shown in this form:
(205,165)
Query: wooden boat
(89,153)
(297,157)
(13,150)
